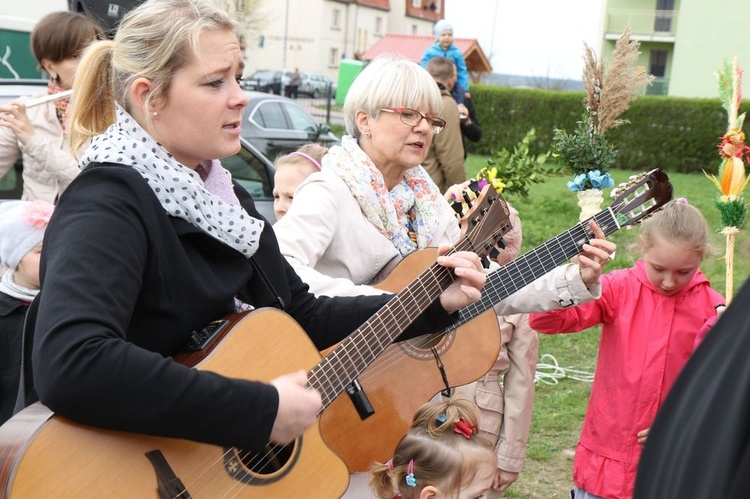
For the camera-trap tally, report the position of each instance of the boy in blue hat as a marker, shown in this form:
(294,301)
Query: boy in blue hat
(444,47)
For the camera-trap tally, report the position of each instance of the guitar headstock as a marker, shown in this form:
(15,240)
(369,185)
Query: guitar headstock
(641,196)
(487,220)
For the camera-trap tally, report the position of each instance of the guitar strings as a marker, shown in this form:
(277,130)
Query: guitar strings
(392,355)
(497,292)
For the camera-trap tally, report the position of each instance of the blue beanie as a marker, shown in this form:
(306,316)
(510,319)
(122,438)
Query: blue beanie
(441,26)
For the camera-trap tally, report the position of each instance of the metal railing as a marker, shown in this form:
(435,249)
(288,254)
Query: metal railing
(644,22)
(660,86)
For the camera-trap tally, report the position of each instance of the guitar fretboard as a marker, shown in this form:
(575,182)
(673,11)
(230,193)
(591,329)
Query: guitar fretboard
(532,265)
(337,370)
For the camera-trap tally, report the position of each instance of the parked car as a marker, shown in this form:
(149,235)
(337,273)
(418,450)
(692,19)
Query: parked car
(316,85)
(277,125)
(266,81)
(249,167)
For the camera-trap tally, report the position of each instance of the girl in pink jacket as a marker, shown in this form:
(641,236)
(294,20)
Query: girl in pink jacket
(651,315)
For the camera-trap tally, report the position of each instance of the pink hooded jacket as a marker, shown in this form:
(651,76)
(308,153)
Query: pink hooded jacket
(646,339)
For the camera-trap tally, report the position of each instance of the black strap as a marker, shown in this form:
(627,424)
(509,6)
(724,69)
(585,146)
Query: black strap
(26,393)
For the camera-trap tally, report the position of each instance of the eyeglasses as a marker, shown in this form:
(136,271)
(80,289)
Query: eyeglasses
(410,117)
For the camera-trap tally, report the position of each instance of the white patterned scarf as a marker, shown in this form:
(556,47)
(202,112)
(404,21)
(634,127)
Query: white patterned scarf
(178,188)
(411,206)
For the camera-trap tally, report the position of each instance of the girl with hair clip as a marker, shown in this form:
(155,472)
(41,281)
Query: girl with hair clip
(653,316)
(440,456)
(291,170)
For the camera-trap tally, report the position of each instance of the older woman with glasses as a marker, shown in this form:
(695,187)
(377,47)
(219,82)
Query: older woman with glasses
(372,203)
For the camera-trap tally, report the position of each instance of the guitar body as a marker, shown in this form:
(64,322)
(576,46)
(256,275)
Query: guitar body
(44,455)
(405,376)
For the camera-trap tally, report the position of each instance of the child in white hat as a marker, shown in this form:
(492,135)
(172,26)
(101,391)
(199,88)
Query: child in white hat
(22,225)
(444,47)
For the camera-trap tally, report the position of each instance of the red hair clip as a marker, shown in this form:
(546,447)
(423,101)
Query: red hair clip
(462,428)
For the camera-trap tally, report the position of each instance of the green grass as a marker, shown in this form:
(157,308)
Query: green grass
(559,409)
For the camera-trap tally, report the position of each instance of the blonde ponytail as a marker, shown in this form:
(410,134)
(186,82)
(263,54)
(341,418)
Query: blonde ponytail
(93,100)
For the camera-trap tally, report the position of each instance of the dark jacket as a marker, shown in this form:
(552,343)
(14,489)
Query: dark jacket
(470,128)
(124,285)
(699,444)
(12,314)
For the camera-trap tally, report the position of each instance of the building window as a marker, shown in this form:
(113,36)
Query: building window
(378,26)
(664,15)
(333,58)
(658,63)
(416,4)
(336,19)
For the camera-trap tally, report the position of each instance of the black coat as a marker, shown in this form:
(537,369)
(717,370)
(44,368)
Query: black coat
(12,314)
(699,444)
(123,285)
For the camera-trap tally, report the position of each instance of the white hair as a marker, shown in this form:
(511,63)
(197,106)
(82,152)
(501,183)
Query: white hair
(389,81)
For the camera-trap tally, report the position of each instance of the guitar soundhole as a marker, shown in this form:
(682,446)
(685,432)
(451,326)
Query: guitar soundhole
(421,347)
(258,468)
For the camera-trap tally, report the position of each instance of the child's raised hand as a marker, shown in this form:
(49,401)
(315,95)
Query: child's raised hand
(643,435)
(595,255)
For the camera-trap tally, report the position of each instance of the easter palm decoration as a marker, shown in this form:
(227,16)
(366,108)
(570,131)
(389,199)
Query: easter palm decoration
(731,180)
(585,152)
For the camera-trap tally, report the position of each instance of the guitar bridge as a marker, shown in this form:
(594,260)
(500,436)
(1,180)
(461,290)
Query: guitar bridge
(360,400)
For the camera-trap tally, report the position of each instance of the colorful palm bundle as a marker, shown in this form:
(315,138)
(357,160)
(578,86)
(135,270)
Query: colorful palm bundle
(585,151)
(731,180)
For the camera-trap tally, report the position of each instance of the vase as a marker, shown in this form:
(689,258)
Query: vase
(590,201)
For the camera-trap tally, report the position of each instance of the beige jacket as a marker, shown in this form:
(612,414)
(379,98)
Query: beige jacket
(506,393)
(48,166)
(445,158)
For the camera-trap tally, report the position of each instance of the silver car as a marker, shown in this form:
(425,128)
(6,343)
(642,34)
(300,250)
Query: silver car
(316,85)
(278,125)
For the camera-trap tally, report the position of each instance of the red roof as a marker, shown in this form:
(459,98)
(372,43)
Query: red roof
(413,46)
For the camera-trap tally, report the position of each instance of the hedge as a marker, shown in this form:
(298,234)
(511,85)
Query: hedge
(671,133)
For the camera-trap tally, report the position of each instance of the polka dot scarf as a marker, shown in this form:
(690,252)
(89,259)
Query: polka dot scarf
(179,189)
(407,214)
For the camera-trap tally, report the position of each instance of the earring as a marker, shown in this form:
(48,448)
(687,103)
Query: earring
(367,134)
(155,114)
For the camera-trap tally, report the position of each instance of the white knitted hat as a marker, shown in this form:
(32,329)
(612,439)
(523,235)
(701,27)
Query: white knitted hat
(441,26)
(22,225)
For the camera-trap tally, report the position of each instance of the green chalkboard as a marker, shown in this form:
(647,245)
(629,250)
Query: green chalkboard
(16,60)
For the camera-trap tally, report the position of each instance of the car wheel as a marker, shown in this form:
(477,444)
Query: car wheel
(315,93)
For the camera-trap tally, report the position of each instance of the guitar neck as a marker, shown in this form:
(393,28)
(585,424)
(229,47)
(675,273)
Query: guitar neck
(344,363)
(534,264)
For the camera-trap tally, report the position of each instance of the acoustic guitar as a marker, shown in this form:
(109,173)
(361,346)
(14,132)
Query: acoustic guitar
(410,372)
(45,455)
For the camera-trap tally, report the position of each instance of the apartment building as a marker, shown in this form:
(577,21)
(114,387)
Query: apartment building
(683,42)
(315,35)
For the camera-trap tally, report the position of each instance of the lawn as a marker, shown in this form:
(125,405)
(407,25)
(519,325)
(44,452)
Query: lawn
(559,408)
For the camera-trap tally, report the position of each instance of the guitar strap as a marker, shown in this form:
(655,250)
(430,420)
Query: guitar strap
(26,393)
